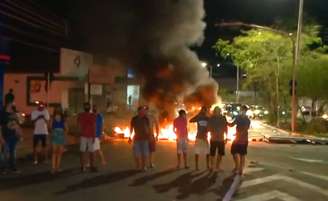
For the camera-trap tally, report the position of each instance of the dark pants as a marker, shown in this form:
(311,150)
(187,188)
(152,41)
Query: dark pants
(2,158)
(10,148)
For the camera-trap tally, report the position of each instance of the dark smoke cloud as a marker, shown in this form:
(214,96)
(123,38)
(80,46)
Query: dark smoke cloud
(154,37)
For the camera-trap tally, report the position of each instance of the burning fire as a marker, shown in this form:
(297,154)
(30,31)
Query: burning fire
(167,133)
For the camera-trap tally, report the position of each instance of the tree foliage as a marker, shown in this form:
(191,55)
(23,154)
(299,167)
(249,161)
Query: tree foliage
(267,55)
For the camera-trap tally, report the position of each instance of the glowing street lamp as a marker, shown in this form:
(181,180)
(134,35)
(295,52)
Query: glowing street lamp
(203,64)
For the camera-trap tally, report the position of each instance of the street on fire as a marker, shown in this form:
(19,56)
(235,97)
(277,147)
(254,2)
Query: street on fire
(163,100)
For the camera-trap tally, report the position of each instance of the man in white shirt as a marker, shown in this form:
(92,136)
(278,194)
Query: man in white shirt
(40,118)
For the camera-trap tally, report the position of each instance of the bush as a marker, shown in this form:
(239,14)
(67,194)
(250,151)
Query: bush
(317,125)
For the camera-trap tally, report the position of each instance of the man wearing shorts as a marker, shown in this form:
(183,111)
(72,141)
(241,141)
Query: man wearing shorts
(180,127)
(99,134)
(88,141)
(201,144)
(40,118)
(140,125)
(153,137)
(240,144)
(217,126)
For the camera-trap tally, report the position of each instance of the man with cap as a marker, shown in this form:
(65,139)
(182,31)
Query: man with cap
(40,118)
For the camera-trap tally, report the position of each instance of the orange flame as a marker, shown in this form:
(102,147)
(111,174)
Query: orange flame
(167,133)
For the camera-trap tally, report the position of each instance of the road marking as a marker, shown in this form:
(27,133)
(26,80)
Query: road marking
(252,170)
(316,175)
(284,178)
(236,183)
(308,160)
(269,196)
(233,188)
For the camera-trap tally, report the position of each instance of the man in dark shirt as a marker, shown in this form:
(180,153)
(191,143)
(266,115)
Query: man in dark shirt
(201,143)
(140,125)
(9,97)
(217,126)
(240,144)
(10,136)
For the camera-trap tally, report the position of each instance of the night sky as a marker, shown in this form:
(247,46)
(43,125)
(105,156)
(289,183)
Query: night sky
(263,12)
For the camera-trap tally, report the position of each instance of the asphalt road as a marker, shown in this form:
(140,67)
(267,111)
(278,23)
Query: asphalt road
(275,172)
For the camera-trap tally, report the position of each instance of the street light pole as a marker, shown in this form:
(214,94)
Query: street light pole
(237,87)
(296,63)
(211,70)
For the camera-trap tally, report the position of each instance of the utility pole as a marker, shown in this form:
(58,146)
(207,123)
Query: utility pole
(277,91)
(296,63)
(237,87)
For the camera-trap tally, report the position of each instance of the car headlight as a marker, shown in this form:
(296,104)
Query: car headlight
(266,112)
(249,113)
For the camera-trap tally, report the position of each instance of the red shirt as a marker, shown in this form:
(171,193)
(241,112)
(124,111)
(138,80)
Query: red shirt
(87,123)
(180,127)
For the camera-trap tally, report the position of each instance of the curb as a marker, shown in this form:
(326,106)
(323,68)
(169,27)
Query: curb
(294,138)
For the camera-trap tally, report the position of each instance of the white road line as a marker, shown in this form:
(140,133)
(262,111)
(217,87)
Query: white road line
(258,181)
(308,160)
(252,170)
(269,196)
(233,188)
(316,175)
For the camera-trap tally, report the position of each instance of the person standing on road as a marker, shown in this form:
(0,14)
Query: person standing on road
(88,145)
(40,118)
(9,97)
(240,144)
(180,127)
(217,126)
(11,134)
(99,134)
(140,125)
(154,132)
(58,129)
(2,156)
(201,144)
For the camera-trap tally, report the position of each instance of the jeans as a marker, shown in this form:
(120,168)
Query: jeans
(10,148)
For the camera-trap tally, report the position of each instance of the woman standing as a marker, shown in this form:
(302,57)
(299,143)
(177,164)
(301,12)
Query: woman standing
(11,134)
(58,128)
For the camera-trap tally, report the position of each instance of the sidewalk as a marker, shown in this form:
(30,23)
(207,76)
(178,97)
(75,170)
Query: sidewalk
(278,134)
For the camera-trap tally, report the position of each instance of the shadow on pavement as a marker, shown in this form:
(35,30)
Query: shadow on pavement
(186,186)
(37,178)
(143,180)
(224,188)
(99,180)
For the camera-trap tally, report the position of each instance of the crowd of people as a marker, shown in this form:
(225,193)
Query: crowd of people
(144,133)
(215,124)
(90,124)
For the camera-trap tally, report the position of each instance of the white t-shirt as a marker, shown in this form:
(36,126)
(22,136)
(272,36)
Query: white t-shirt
(40,126)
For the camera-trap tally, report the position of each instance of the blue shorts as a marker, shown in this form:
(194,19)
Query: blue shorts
(141,148)
(58,137)
(182,146)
